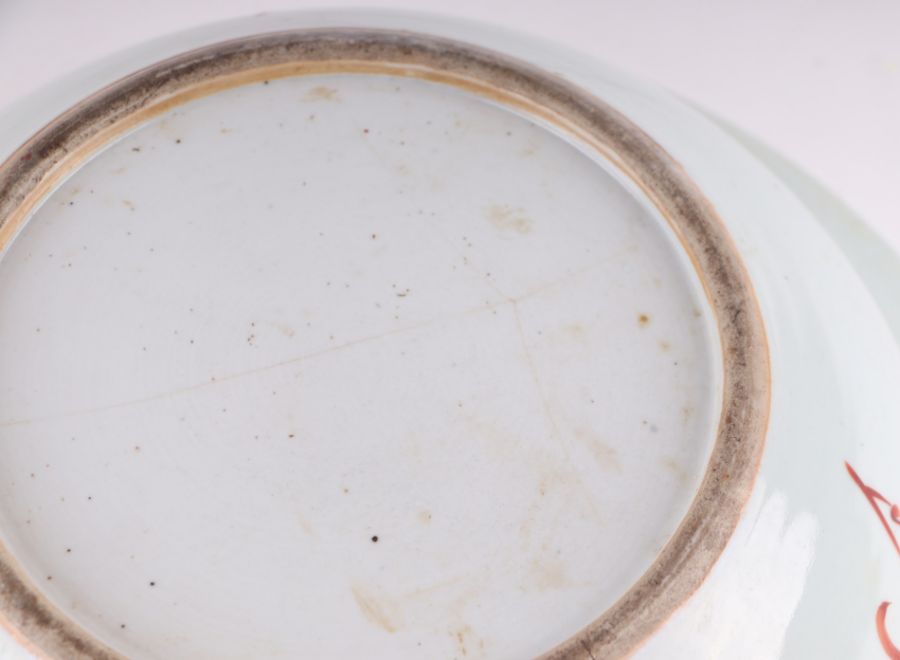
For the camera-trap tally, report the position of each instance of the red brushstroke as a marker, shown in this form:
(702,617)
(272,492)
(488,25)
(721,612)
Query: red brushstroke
(889,648)
(874,497)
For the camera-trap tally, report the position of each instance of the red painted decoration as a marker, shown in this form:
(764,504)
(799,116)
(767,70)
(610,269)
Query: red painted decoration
(874,498)
(889,648)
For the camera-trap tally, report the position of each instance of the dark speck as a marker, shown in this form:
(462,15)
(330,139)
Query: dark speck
(135,149)
(178,141)
(153,584)
(122,626)
(265,82)
(374,539)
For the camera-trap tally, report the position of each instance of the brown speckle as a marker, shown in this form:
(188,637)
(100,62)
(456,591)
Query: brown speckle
(665,346)
(643,320)
(461,635)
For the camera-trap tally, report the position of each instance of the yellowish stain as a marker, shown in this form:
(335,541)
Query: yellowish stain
(304,524)
(665,346)
(576,331)
(322,93)
(643,320)
(510,219)
(376,612)
(424,517)
(284,329)
(549,574)
(128,204)
(461,639)
(676,468)
(607,457)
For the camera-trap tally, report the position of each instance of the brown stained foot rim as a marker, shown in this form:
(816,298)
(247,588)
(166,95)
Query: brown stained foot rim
(687,558)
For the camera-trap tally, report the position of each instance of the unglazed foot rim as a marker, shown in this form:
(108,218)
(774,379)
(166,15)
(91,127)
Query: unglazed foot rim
(35,169)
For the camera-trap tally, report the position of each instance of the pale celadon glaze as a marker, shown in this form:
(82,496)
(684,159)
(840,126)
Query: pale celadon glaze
(222,528)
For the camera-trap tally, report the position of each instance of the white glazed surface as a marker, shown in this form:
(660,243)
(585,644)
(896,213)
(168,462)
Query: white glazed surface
(315,312)
(809,563)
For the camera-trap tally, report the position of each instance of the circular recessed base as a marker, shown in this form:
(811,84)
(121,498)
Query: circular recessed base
(356,363)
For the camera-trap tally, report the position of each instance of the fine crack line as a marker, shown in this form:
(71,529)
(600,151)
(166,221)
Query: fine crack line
(490,306)
(214,381)
(548,411)
(532,368)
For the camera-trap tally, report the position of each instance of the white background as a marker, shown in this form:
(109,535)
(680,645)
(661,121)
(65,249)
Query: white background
(818,80)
